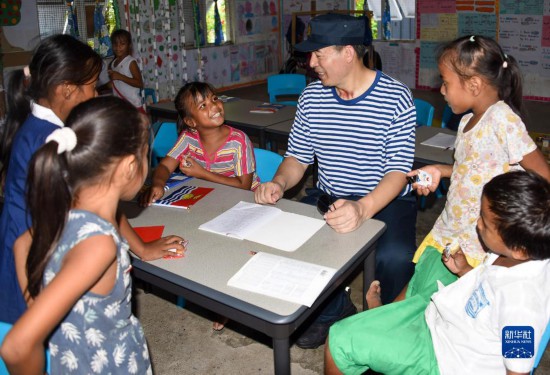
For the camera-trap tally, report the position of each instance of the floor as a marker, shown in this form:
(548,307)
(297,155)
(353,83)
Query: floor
(181,341)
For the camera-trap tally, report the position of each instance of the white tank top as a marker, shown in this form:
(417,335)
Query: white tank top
(122,89)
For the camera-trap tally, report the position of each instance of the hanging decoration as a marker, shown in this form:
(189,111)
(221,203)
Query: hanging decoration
(168,47)
(218,30)
(102,39)
(386,20)
(182,45)
(199,32)
(71,24)
(199,37)
(153,31)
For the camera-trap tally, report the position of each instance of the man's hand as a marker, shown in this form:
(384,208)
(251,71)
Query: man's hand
(346,216)
(268,193)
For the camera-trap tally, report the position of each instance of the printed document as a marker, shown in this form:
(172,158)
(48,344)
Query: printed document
(279,277)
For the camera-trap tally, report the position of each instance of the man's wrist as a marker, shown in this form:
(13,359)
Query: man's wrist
(281,184)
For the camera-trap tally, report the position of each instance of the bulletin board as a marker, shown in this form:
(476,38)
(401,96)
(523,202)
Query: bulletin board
(521,27)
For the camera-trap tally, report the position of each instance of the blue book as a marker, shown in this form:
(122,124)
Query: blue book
(176,179)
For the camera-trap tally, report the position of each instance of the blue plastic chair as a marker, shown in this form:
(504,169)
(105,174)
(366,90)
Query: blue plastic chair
(446,117)
(424,116)
(4,329)
(542,347)
(267,163)
(285,85)
(165,139)
(424,112)
(150,93)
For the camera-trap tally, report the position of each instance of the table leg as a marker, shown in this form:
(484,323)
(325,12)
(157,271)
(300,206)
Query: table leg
(369,267)
(281,356)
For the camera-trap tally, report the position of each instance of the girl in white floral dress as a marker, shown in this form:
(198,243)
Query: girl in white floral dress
(78,265)
(478,77)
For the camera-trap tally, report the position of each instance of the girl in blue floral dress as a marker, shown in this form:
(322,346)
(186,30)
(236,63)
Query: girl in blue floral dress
(77,271)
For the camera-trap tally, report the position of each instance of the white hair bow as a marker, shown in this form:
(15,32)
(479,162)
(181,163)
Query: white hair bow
(65,138)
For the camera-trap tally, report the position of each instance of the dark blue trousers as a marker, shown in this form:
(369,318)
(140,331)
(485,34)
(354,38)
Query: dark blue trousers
(394,250)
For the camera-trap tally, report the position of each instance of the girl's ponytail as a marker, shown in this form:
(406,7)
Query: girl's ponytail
(47,175)
(510,88)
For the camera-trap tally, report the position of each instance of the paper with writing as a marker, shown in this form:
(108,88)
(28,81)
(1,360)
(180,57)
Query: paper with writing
(279,277)
(266,225)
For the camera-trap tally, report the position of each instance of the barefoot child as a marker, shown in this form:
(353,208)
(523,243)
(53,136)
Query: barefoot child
(464,328)
(78,266)
(491,140)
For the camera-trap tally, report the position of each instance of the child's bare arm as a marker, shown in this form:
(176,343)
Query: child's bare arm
(535,161)
(160,176)
(88,264)
(509,372)
(150,250)
(191,168)
(436,171)
(21,249)
(457,263)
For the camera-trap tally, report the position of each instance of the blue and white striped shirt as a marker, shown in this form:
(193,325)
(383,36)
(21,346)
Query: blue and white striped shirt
(356,141)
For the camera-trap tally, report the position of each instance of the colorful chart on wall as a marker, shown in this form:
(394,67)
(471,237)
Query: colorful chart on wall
(522,28)
(256,19)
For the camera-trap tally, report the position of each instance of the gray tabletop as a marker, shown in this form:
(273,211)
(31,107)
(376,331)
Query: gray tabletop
(212,259)
(428,154)
(237,114)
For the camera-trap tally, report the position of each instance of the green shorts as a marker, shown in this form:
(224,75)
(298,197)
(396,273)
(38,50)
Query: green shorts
(394,338)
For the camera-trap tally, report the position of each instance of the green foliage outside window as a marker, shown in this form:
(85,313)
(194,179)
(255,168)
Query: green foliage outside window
(360,5)
(210,34)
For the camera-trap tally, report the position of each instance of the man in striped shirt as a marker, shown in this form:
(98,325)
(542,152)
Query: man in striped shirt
(360,126)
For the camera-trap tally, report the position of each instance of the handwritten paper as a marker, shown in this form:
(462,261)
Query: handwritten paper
(279,277)
(266,225)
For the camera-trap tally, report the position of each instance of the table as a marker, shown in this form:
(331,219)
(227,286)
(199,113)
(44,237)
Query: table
(237,114)
(423,155)
(431,155)
(211,260)
(278,133)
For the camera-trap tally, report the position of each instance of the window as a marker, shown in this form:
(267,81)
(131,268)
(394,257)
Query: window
(53,17)
(206,14)
(403,17)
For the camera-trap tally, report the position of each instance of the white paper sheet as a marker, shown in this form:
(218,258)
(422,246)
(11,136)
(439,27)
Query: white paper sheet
(441,140)
(279,277)
(266,225)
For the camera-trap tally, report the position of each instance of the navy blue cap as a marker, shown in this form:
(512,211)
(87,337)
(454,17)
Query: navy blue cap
(334,29)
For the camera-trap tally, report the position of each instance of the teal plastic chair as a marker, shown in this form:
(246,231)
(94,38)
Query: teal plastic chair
(4,329)
(285,85)
(424,116)
(446,117)
(267,163)
(163,142)
(150,93)
(542,347)
(424,112)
